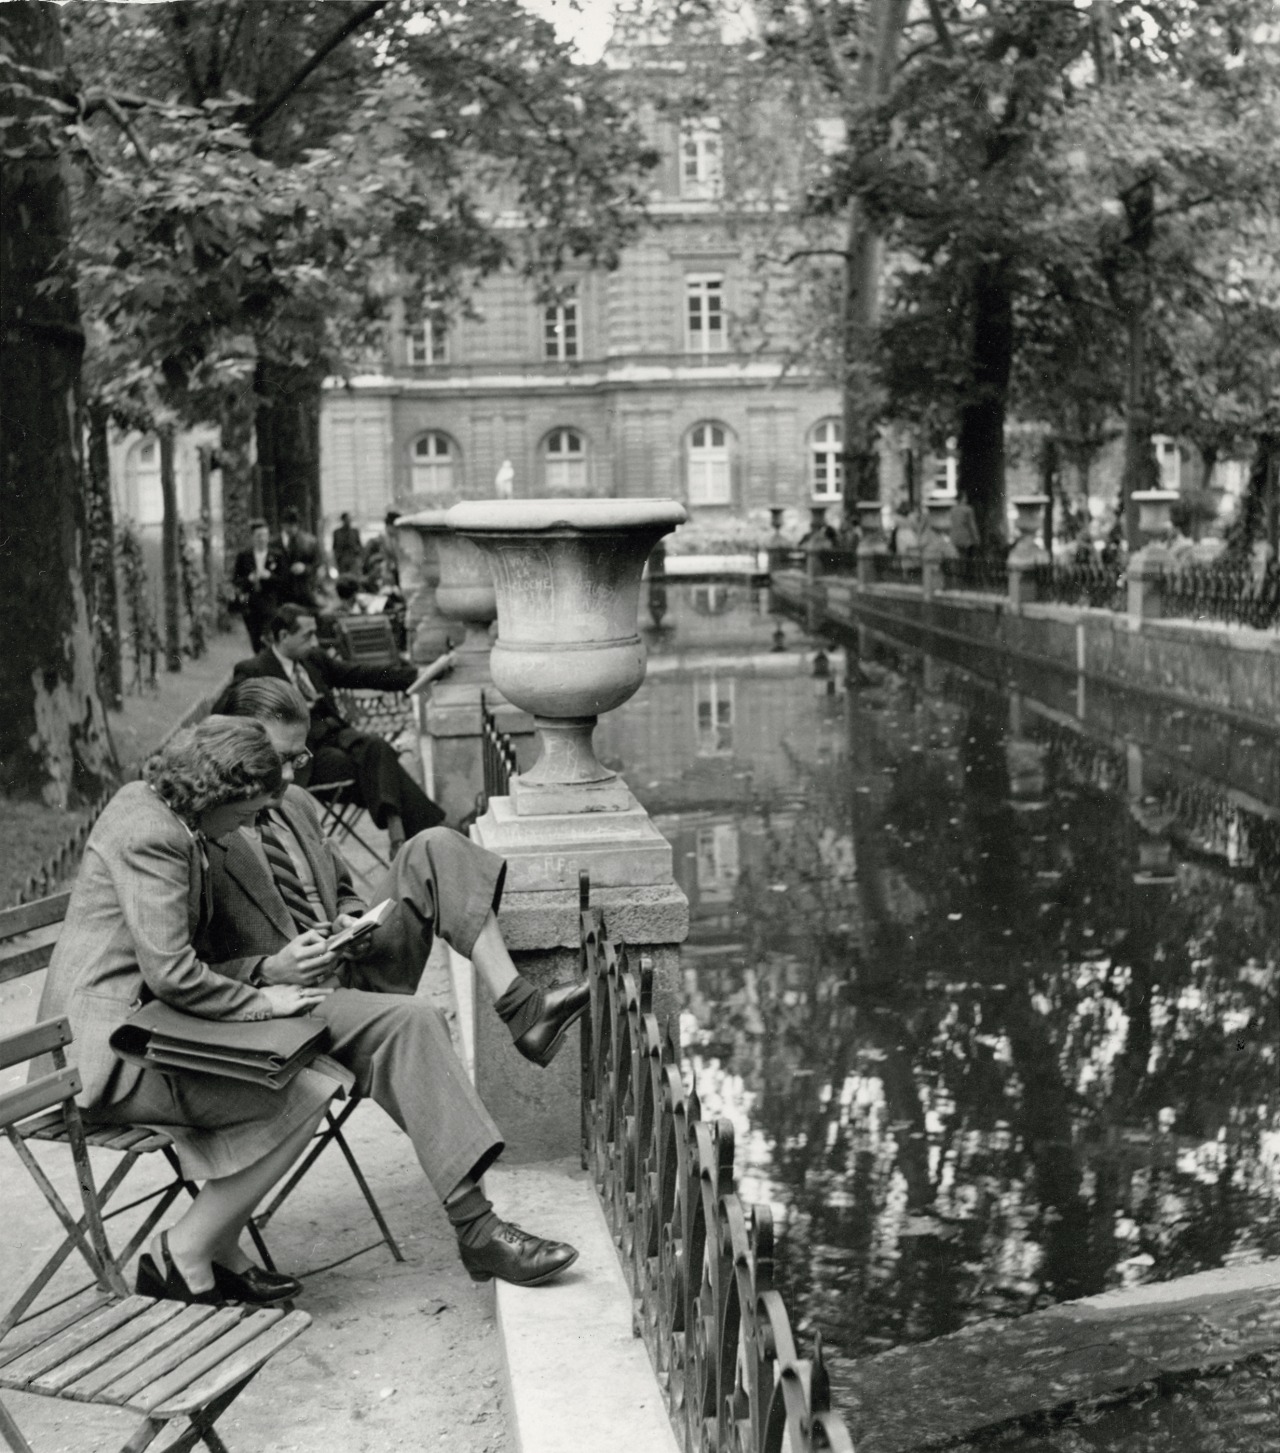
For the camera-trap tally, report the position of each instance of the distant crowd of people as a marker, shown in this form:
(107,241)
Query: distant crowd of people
(290,569)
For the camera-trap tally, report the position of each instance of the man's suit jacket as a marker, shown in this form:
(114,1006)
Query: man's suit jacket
(140,900)
(303,549)
(248,919)
(263,596)
(326,674)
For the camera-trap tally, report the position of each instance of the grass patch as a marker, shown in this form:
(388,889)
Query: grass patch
(30,833)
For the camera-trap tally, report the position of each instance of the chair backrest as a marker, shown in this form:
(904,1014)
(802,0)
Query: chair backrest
(57,1087)
(28,934)
(367,640)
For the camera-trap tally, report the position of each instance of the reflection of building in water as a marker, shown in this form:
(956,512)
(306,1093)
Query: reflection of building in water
(713,708)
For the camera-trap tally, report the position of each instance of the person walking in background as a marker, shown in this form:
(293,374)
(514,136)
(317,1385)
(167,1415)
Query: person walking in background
(346,547)
(300,552)
(258,578)
(964,528)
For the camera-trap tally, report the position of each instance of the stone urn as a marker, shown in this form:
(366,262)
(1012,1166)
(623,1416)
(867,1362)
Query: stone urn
(1029,523)
(936,542)
(567,577)
(417,536)
(1155,523)
(465,594)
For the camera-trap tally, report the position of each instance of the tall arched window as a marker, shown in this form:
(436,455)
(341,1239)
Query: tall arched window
(434,458)
(709,476)
(145,500)
(566,462)
(826,467)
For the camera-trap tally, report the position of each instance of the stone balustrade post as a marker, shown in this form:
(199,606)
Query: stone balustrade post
(1027,552)
(567,579)
(871,541)
(1155,526)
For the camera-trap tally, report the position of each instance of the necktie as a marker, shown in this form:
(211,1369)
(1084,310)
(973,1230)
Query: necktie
(288,883)
(302,680)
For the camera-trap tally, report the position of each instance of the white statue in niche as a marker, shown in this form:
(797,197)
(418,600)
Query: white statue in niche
(504,484)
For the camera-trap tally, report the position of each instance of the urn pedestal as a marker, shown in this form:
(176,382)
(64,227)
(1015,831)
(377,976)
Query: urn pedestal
(567,577)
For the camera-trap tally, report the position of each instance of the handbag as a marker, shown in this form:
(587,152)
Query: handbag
(263,1051)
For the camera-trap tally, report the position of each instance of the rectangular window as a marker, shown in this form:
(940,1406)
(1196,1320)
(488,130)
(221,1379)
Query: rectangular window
(701,172)
(713,702)
(428,344)
(704,315)
(560,331)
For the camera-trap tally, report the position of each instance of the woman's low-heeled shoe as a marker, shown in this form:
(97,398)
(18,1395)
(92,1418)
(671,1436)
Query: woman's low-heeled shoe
(255,1285)
(172,1286)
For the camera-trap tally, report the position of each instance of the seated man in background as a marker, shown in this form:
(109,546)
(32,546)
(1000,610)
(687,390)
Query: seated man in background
(279,888)
(339,751)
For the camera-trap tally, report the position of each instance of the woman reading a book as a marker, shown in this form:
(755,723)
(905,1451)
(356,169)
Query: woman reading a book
(139,899)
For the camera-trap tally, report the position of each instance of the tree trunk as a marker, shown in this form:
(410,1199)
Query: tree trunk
(102,534)
(980,443)
(235,456)
(1141,471)
(288,434)
(54,743)
(863,260)
(170,563)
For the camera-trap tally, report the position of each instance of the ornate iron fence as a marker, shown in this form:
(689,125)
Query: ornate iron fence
(897,569)
(1236,593)
(976,572)
(498,755)
(698,1262)
(1088,582)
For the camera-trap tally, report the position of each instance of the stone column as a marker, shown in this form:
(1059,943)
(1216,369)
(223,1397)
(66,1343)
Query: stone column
(777,544)
(453,748)
(1027,551)
(1146,567)
(567,580)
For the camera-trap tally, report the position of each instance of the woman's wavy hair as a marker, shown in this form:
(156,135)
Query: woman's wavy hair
(223,759)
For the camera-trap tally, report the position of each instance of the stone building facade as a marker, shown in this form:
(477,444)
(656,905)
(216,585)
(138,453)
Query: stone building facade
(646,381)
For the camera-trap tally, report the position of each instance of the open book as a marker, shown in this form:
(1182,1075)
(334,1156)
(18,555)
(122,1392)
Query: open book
(363,925)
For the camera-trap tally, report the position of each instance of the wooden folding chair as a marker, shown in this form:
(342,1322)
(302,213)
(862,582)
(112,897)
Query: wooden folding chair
(27,937)
(367,640)
(330,1133)
(340,814)
(177,1365)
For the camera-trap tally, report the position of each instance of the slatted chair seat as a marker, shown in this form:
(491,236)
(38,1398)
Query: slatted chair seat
(367,640)
(178,1366)
(386,714)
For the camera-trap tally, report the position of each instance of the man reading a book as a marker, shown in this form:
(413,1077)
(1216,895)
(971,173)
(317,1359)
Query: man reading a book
(280,890)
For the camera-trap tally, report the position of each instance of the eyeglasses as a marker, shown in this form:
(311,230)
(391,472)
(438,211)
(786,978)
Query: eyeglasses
(299,760)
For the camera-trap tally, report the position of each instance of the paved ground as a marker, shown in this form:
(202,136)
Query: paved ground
(399,1356)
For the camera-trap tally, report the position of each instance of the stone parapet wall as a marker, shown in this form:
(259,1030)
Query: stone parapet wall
(1229,669)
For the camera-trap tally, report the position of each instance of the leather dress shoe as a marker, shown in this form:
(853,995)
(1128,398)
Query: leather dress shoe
(171,1286)
(561,1008)
(513,1255)
(254,1285)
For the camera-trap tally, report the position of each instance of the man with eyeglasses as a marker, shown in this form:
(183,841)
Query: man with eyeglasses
(340,752)
(279,888)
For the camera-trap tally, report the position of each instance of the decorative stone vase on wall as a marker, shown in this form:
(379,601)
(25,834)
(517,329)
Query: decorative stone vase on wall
(935,544)
(566,573)
(871,539)
(1029,522)
(429,631)
(465,594)
(1155,522)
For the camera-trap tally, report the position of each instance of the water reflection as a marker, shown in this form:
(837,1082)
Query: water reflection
(992,1004)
